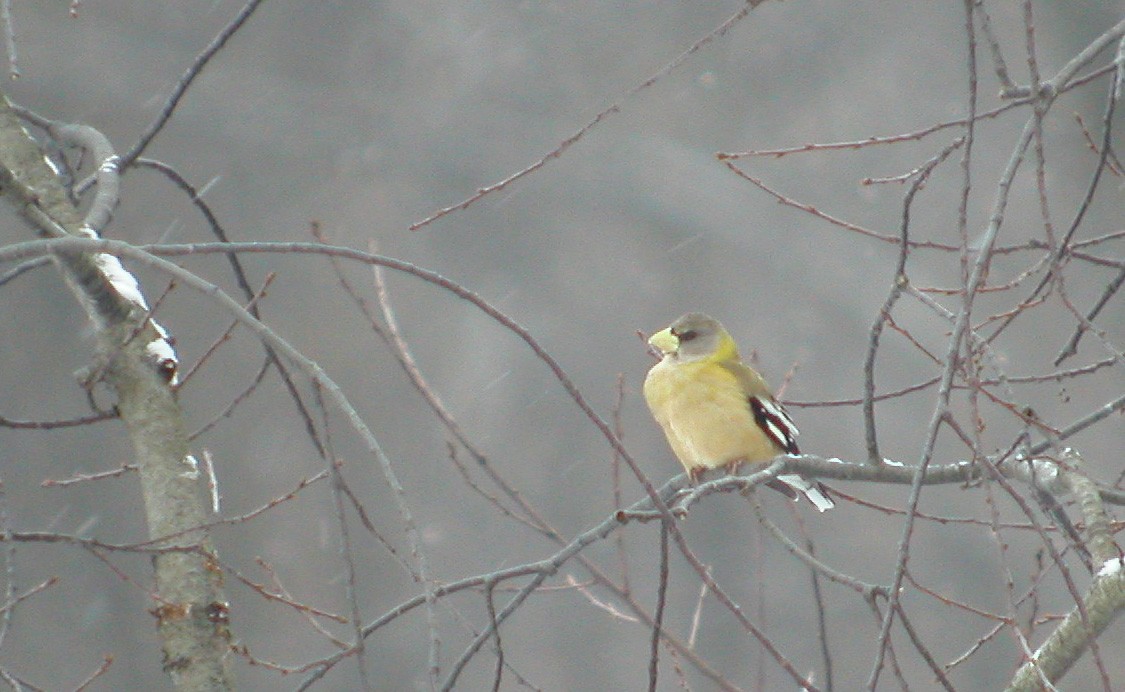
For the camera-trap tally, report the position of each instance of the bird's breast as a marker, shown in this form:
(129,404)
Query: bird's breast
(705,415)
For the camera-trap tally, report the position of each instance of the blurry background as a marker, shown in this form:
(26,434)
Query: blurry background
(366,117)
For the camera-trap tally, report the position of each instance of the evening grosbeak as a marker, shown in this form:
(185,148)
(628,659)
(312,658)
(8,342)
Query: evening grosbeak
(715,410)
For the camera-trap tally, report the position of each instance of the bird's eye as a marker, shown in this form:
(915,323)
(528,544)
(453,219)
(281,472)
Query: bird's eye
(687,336)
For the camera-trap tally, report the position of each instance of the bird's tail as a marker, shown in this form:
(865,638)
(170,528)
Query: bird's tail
(813,490)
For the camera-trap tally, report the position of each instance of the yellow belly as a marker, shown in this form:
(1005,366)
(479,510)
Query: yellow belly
(705,416)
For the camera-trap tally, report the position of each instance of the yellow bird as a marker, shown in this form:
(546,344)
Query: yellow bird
(715,410)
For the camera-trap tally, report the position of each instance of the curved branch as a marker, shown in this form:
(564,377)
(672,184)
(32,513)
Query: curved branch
(191,615)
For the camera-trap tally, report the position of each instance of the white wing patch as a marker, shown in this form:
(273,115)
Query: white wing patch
(776,423)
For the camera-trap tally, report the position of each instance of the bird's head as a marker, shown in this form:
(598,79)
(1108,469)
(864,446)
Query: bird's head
(695,337)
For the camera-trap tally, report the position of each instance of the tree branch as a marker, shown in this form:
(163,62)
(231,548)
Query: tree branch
(137,362)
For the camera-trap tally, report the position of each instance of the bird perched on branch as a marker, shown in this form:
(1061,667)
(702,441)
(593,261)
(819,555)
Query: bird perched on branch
(715,410)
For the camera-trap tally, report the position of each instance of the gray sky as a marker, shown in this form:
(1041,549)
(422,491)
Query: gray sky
(366,117)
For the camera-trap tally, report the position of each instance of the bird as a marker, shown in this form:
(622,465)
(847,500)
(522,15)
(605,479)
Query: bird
(715,410)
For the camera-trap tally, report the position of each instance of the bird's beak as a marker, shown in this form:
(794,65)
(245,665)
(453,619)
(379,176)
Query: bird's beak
(664,342)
